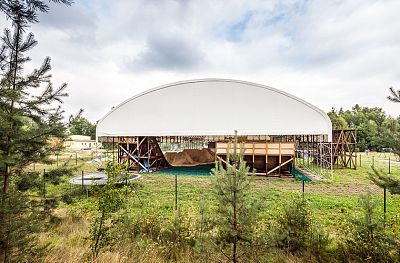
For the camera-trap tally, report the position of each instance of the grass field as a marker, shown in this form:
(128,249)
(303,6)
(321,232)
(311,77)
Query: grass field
(332,202)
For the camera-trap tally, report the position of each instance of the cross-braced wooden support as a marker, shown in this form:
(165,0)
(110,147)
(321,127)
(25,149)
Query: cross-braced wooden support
(344,148)
(142,154)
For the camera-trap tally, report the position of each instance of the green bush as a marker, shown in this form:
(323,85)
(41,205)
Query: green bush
(367,239)
(293,226)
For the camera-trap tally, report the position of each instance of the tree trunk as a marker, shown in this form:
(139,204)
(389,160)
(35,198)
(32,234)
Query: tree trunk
(235,226)
(96,250)
(7,172)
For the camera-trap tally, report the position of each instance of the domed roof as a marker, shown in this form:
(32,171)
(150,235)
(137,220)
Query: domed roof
(214,107)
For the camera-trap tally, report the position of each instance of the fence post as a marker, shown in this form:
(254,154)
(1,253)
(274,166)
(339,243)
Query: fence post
(384,204)
(57,159)
(389,165)
(44,183)
(82,180)
(360,160)
(76,159)
(176,192)
(303,187)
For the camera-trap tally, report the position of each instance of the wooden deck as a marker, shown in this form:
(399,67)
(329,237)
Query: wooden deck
(267,158)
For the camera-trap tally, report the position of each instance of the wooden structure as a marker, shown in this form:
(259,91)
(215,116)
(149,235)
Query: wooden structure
(142,153)
(266,158)
(344,148)
(268,155)
(340,153)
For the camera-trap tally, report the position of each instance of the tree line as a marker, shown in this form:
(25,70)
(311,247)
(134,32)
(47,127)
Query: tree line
(375,129)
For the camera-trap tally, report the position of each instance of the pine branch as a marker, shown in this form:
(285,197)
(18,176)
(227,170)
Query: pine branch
(29,43)
(395,95)
(385,181)
(25,12)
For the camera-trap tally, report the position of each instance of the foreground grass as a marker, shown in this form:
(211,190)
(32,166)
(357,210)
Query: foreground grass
(332,203)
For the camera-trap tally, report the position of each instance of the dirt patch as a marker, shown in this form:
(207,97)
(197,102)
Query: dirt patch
(190,157)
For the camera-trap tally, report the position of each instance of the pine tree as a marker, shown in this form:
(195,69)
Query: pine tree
(235,210)
(379,178)
(367,239)
(26,121)
(29,115)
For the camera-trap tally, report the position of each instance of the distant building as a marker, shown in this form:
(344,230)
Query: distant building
(79,142)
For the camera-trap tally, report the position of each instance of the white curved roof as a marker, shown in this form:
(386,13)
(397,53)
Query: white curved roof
(214,107)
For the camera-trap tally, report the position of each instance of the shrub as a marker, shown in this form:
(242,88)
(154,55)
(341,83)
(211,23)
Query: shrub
(367,239)
(293,226)
(109,200)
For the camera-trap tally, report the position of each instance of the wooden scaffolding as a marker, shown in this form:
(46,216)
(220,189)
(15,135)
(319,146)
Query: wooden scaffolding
(141,153)
(344,148)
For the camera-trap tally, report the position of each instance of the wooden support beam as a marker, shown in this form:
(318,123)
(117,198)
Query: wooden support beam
(280,165)
(222,160)
(130,155)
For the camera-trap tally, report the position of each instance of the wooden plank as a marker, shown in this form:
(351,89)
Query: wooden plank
(253,154)
(280,157)
(279,166)
(130,155)
(222,160)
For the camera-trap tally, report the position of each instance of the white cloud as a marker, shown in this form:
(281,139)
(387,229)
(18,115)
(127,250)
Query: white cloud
(331,53)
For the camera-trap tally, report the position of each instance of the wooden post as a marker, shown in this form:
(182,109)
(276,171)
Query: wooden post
(302,147)
(44,183)
(113,148)
(384,203)
(129,159)
(303,187)
(308,151)
(389,164)
(148,154)
(266,158)
(253,155)
(82,180)
(280,158)
(76,159)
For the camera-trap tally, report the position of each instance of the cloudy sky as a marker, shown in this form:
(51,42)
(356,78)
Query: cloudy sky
(332,53)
